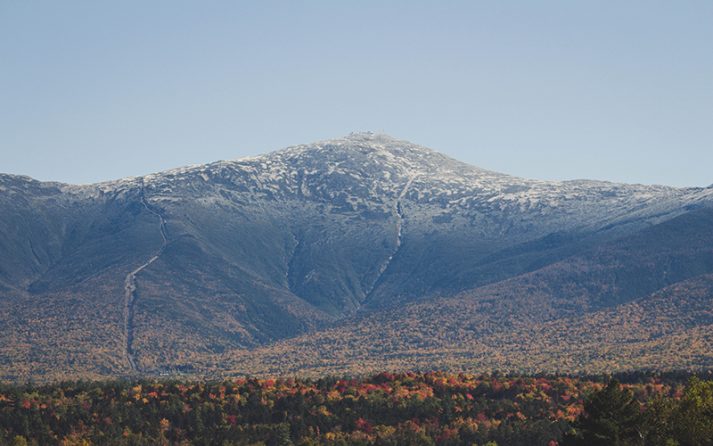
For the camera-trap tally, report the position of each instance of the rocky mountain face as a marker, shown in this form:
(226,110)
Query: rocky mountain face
(196,269)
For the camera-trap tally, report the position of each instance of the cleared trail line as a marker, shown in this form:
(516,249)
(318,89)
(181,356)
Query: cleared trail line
(398,215)
(130,291)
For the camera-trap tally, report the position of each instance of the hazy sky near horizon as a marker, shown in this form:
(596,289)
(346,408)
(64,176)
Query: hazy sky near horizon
(612,90)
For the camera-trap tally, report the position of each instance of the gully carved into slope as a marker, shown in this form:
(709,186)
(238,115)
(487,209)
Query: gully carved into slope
(130,289)
(397,213)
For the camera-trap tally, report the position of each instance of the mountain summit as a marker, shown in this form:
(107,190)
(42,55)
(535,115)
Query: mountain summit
(353,240)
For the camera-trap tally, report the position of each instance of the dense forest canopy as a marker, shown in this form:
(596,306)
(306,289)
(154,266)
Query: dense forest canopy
(385,409)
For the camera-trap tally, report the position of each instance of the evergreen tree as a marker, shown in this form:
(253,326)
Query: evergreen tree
(611,418)
(693,424)
(281,436)
(659,421)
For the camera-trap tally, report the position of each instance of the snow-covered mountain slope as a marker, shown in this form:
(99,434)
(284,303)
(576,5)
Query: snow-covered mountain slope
(367,170)
(237,254)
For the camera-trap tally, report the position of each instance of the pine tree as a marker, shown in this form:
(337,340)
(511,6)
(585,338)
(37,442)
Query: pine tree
(612,417)
(693,423)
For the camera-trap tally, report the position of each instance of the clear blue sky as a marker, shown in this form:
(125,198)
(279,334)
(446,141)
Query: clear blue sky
(615,90)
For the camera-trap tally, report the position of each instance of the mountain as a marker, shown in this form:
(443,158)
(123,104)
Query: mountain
(354,251)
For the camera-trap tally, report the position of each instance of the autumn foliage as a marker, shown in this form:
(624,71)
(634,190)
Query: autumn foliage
(385,409)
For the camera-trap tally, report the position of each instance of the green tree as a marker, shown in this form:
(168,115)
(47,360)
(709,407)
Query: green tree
(659,421)
(611,418)
(281,436)
(693,422)
(19,440)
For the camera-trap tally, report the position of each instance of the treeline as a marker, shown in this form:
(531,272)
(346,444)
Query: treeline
(385,409)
